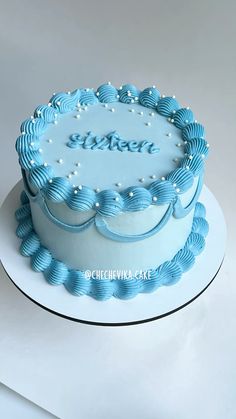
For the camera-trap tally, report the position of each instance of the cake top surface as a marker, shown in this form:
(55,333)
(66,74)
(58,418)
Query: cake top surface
(120,149)
(112,146)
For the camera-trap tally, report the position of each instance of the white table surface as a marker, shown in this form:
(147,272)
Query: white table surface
(184,365)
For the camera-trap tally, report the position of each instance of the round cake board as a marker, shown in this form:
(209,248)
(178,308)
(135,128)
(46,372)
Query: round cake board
(114,312)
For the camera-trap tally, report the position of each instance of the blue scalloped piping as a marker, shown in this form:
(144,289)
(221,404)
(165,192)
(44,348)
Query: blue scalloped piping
(193,133)
(75,281)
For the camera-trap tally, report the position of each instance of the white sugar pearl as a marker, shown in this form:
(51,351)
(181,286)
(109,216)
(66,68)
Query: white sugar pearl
(117,198)
(50,181)
(131,194)
(105,105)
(154,198)
(109,83)
(58,103)
(174,112)
(131,110)
(75,191)
(60,161)
(141,179)
(190,157)
(150,92)
(178,145)
(118,184)
(163,178)
(77,116)
(112,109)
(49,140)
(151,114)
(32,161)
(174,184)
(136,98)
(69,176)
(97,93)
(208,145)
(172,120)
(175,159)
(78,164)
(203,156)
(187,167)
(148,124)
(97,190)
(40,150)
(75,172)
(55,122)
(128,93)
(141,113)
(177,190)
(153,176)
(169,134)
(97,204)
(80,187)
(45,164)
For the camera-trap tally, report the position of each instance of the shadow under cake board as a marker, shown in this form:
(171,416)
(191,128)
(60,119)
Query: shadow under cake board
(144,307)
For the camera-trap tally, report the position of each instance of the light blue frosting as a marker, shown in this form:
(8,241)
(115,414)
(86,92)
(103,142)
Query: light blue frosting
(75,281)
(195,164)
(39,176)
(128,93)
(30,159)
(60,190)
(65,102)
(197,146)
(193,130)
(36,127)
(183,117)
(88,97)
(84,200)
(112,141)
(163,191)
(26,142)
(107,93)
(41,259)
(109,204)
(181,178)
(149,97)
(167,105)
(45,112)
(136,198)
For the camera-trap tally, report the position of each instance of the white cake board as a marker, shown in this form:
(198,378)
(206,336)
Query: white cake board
(114,312)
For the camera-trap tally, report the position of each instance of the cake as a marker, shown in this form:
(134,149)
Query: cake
(112,179)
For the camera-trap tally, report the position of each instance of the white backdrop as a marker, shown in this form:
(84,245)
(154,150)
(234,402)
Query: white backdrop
(182,366)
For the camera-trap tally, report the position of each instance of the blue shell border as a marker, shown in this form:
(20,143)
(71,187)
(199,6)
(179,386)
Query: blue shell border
(109,202)
(77,282)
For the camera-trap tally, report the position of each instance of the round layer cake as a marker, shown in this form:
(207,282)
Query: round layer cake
(112,180)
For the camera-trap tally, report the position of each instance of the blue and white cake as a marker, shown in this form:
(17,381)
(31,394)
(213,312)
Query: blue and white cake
(112,179)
